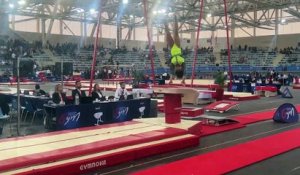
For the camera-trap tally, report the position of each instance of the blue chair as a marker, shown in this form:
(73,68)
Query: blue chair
(36,112)
(31,109)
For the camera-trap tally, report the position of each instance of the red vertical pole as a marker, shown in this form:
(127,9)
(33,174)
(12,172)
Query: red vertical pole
(228,46)
(149,40)
(95,53)
(197,41)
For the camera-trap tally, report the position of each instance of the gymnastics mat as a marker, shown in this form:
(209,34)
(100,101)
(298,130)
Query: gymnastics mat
(84,150)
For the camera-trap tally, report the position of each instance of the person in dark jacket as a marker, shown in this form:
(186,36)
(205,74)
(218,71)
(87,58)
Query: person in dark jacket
(38,91)
(58,96)
(97,94)
(78,90)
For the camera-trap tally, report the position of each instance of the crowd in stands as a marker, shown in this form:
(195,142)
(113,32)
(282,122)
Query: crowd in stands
(271,77)
(289,50)
(11,49)
(16,47)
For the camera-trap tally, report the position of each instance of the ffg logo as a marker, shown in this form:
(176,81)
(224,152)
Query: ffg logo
(72,117)
(122,112)
(287,113)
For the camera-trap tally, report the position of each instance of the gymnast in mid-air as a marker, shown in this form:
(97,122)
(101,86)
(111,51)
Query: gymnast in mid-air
(177,65)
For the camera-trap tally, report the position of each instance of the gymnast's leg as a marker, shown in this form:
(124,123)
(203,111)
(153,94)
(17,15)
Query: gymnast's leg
(176,33)
(170,40)
(170,43)
(180,69)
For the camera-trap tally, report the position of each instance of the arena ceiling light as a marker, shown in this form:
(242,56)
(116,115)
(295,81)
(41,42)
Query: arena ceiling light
(79,10)
(11,5)
(125,1)
(170,14)
(161,11)
(21,2)
(209,15)
(92,11)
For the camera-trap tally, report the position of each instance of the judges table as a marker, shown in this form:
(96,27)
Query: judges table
(83,115)
(28,101)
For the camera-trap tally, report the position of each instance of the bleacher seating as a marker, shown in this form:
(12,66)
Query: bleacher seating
(258,58)
(242,60)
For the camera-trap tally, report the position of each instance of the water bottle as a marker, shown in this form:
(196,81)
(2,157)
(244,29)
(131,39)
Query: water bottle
(76,99)
(150,85)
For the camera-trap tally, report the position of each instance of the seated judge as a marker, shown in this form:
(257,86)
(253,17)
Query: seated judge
(97,94)
(77,90)
(38,91)
(58,96)
(121,92)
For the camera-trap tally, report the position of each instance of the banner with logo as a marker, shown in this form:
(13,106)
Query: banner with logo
(286,113)
(76,116)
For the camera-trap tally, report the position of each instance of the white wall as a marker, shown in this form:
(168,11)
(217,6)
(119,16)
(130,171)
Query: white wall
(55,38)
(217,42)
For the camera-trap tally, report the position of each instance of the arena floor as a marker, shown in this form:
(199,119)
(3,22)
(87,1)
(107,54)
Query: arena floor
(283,164)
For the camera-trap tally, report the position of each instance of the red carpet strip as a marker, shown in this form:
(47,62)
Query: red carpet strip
(255,117)
(210,130)
(232,158)
(243,120)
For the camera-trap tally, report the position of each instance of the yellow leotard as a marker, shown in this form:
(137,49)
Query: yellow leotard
(176,55)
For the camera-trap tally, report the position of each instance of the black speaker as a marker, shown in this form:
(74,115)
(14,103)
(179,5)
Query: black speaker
(67,68)
(26,68)
(217,65)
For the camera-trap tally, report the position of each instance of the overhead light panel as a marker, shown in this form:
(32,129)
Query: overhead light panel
(11,5)
(170,14)
(21,2)
(92,11)
(125,1)
(163,11)
(79,10)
